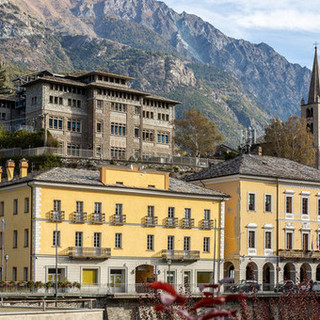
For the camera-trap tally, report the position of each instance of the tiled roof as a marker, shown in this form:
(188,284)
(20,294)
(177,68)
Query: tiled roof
(262,166)
(92,177)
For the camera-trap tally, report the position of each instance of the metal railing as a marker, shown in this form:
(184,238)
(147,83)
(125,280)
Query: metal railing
(187,223)
(79,217)
(98,218)
(206,224)
(171,222)
(299,254)
(89,252)
(181,255)
(118,219)
(150,221)
(56,216)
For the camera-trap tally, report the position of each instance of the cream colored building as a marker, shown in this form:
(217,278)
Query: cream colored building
(272,220)
(115,230)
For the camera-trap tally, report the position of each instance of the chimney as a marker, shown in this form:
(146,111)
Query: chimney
(10,169)
(0,174)
(103,175)
(23,165)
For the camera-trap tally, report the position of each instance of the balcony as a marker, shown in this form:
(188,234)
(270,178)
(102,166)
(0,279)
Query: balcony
(56,216)
(79,217)
(150,221)
(98,218)
(187,223)
(180,255)
(89,253)
(206,224)
(299,254)
(171,222)
(118,219)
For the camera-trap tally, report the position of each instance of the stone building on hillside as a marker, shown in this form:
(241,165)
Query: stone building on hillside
(7,109)
(97,111)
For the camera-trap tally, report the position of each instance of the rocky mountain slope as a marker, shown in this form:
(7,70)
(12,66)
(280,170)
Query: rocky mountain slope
(234,82)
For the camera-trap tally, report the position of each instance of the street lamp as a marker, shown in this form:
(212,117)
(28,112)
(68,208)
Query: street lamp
(6,257)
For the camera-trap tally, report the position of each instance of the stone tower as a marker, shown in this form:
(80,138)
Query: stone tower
(311,110)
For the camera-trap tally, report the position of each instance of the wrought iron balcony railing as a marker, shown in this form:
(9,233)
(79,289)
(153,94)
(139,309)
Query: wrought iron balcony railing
(187,223)
(79,217)
(55,216)
(97,218)
(206,224)
(171,222)
(296,254)
(180,255)
(89,253)
(118,219)
(150,221)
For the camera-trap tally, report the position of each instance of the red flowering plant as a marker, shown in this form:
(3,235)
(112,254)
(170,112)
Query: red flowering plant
(209,307)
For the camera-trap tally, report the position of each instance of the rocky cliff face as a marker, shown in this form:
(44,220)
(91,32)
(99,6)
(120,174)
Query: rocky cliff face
(234,82)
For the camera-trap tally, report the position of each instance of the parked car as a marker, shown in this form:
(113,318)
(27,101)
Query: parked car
(286,286)
(316,286)
(246,286)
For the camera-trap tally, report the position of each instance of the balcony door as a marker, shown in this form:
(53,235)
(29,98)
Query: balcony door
(305,242)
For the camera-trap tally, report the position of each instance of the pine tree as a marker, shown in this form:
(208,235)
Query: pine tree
(4,89)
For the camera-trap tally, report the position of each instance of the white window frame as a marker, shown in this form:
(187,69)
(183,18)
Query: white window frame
(267,251)
(289,215)
(255,201)
(252,227)
(303,215)
(206,244)
(264,203)
(93,268)
(308,233)
(285,240)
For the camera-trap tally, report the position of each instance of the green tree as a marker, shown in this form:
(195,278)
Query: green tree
(196,134)
(4,89)
(290,139)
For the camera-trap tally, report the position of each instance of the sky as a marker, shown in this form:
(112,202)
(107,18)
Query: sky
(291,27)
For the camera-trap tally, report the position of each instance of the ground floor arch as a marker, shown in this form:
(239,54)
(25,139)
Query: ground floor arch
(305,272)
(252,271)
(229,270)
(144,275)
(289,272)
(268,277)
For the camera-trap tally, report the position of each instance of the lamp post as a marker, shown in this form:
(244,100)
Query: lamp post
(6,257)
(56,245)
(214,251)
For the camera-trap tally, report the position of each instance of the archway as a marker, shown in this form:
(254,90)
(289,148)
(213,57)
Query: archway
(289,272)
(268,277)
(252,271)
(318,273)
(305,272)
(144,276)
(228,270)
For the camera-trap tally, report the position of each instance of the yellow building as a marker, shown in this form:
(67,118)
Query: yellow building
(272,219)
(115,230)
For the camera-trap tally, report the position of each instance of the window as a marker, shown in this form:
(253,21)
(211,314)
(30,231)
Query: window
(97,207)
(150,211)
(268,203)
(148,135)
(206,244)
(163,137)
(136,132)
(78,239)
(150,242)
(118,129)
(268,240)
(25,274)
(289,200)
(137,110)
(56,239)
(186,243)
(170,243)
(99,104)
(118,153)
(15,206)
(57,206)
(52,272)
(61,101)
(119,107)
(252,239)
(289,240)
(97,240)
(206,214)
(15,239)
(305,205)
(26,205)
(2,208)
(252,201)
(171,212)
(187,213)
(118,241)
(26,238)
(1,239)
(79,206)
(99,126)
(171,275)
(89,276)
(118,208)
(74,125)
(69,102)
(55,123)
(14,273)
(305,241)
(318,208)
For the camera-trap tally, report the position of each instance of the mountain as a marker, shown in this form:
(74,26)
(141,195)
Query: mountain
(234,82)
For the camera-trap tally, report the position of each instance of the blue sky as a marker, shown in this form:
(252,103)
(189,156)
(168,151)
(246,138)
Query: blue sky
(289,26)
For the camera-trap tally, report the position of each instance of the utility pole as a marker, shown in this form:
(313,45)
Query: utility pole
(214,251)
(56,243)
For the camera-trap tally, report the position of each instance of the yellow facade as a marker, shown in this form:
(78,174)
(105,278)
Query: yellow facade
(112,250)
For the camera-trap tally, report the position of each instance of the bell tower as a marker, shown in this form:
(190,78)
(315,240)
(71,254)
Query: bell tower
(311,110)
